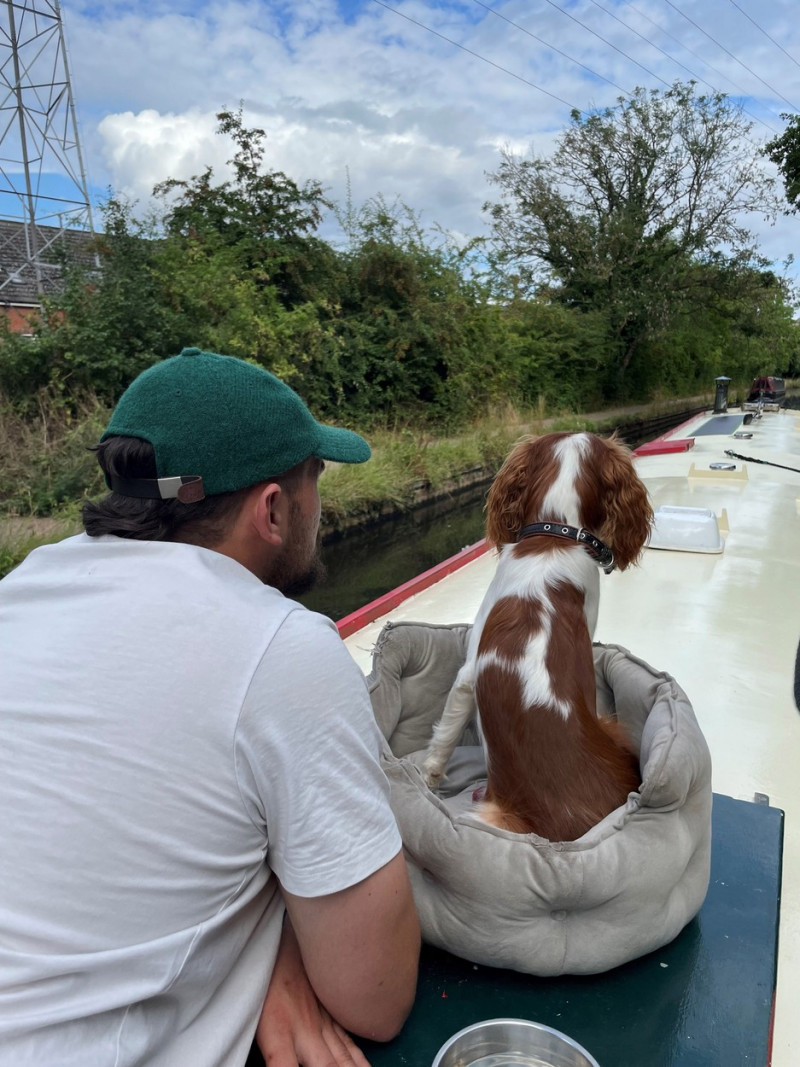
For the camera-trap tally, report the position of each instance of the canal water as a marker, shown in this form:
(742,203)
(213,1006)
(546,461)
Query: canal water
(364,566)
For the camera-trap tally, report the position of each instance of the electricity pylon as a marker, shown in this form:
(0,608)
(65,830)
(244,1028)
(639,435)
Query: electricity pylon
(43,189)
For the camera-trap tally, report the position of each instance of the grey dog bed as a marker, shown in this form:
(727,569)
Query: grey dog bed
(625,888)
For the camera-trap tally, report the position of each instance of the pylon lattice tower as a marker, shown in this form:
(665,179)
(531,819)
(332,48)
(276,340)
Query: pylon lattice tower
(43,186)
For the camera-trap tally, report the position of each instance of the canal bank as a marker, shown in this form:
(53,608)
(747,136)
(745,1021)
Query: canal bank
(410,472)
(634,424)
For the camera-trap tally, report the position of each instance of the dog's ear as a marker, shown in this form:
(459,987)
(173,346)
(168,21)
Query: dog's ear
(507,503)
(628,514)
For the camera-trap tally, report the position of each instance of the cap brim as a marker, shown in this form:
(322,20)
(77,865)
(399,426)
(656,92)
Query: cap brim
(341,446)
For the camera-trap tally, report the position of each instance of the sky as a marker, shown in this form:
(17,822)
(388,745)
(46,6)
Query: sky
(410,99)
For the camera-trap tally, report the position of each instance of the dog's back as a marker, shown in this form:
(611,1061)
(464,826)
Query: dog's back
(560,505)
(554,768)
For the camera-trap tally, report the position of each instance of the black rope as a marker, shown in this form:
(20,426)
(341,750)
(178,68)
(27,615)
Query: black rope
(766,462)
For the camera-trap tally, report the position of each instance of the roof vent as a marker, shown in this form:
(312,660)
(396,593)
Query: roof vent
(688,529)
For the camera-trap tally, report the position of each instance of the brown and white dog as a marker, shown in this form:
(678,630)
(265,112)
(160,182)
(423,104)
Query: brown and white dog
(561,507)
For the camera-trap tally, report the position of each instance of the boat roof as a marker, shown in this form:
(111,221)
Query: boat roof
(723,619)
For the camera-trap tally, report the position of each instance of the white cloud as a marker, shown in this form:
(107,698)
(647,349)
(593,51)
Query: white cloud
(352,86)
(146,148)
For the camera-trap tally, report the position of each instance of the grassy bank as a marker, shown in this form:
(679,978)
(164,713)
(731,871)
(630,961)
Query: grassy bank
(47,468)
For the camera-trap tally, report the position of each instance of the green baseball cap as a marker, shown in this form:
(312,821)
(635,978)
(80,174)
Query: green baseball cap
(224,421)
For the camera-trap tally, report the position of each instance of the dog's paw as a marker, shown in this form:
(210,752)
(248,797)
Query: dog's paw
(432,772)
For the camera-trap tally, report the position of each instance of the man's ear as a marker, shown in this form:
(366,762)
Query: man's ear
(269,512)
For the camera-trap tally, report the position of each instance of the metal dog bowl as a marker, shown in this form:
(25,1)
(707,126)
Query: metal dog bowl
(512,1043)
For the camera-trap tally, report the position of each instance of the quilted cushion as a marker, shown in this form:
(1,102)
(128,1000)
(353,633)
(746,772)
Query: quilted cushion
(625,888)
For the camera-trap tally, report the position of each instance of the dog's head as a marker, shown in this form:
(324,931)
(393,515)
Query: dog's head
(575,478)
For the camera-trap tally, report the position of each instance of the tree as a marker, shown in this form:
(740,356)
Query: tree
(265,220)
(241,267)
(632,196)
(733,322)
(784,151)
(103,326)
(410,320)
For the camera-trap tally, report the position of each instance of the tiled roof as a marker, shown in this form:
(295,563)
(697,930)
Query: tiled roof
(17,276)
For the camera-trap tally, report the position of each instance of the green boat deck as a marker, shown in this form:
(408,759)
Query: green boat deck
(705,1000)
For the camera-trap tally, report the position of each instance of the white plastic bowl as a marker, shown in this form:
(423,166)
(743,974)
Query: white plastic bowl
(512,1043)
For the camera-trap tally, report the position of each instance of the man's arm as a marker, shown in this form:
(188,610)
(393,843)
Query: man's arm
(360,948)
(294,1028)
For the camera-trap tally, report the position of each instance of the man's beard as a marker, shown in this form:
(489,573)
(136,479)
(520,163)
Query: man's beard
(295,571)
(294,583)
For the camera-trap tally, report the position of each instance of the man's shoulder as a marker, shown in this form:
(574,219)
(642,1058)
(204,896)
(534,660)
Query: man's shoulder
(310,639)
(174,578)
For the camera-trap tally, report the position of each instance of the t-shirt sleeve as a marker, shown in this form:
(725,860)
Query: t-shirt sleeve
(307,754)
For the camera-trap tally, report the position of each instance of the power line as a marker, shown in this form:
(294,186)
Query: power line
(674,60)
(600,37)
(686,48)
(594,73)
(547,44)
(607,42)
(733,57)
(483,59)
(761,28)
(647,40)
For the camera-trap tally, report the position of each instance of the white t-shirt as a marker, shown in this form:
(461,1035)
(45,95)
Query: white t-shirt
(172,732)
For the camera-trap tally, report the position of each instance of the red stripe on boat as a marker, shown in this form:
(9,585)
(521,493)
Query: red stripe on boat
(665,444)
(384,604)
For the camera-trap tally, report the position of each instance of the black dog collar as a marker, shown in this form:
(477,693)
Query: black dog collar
(597,549)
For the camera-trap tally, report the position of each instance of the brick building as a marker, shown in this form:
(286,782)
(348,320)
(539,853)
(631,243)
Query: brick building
(20,288)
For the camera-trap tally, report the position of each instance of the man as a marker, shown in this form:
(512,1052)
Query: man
(186,753)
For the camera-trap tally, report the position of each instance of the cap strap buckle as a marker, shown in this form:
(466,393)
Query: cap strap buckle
(188,488)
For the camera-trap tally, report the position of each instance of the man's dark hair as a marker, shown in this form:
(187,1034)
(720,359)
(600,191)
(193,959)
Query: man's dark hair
(203,523)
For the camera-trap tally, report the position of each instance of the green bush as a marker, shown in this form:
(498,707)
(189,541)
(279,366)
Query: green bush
(45,457)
